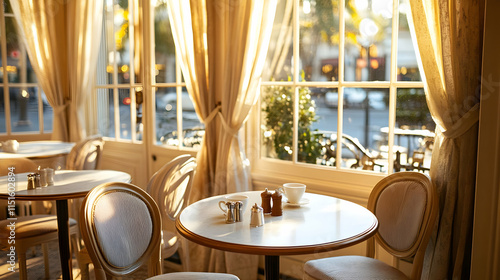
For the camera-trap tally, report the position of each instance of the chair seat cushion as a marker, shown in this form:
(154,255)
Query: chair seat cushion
(194,275)
(28,226)
(350,267)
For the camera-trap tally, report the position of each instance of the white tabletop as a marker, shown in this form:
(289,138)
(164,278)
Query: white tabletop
(325,223)
(67,184)
(37,149)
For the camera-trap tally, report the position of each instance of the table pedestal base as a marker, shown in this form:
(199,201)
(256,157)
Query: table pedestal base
(272,267)
(63,235)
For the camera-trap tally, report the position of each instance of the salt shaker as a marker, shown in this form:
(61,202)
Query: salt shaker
(238,211)
(277,209)
(257,216)
(230,216)
(266,201)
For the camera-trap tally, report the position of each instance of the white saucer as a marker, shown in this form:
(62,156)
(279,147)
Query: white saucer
(303,201)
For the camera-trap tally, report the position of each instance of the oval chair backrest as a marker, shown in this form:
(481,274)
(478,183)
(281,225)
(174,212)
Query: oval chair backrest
(86,154)
(20,165)
(121,227)
(405,205)
(171,186)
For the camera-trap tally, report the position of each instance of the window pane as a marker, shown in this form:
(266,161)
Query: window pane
(166,119)
(18,67)
(414,130)
(368,40)
(122,37)
(407,60)
(24,109)
(319,40)
(48,114)
(279,56)
(105,68)
(164,46)
(125,107)
(309,146)
(166,116)
(365,114)
(105,112)
(277,122)
(7,7)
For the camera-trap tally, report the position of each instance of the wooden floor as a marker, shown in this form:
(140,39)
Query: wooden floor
(36,268)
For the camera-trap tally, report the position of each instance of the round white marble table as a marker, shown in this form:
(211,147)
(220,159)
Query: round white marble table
(68,184)
(45,153)
(323,224)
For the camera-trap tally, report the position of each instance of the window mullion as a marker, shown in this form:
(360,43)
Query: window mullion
(393,80)
(6,96)
(178,82)
(116,98)
(340,91)
(295,73)
(131,43)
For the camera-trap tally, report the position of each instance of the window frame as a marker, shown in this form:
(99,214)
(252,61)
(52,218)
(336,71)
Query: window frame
(7,86)
(345,181)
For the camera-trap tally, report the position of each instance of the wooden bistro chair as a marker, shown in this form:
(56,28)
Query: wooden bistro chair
(30,230)
(121,227)
(406,206)
(85,155)
(170,188)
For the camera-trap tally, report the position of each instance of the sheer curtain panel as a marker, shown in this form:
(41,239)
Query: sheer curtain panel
(223,45)
(62,40)
(450,35)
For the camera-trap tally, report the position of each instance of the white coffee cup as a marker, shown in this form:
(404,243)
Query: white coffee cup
(294,192)
(233,198)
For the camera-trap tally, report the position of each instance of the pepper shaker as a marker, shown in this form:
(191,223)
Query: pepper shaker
(277,209)
(238,211)
(266,201)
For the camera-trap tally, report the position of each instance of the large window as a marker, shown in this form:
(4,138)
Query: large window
(119,76)
(122,82)
(342,88)
(23,106)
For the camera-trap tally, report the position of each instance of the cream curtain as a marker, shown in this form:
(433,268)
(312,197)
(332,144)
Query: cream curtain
(223,45)
(449,36)
(62,39)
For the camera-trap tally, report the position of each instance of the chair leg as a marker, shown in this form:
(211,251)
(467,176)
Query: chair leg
(45,249)
(23,274)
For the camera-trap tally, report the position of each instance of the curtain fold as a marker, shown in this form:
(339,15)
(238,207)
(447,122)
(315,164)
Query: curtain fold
(450,34)
(223,46)
(62,40)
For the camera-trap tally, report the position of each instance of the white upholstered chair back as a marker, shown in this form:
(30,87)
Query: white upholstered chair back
(405,204)
(121,227)
(86,154)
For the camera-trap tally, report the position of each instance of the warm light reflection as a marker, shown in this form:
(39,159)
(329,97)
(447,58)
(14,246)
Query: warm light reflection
(9,69)
(306,7)
(368,28)
(25,94)
(37,48)
(361,5)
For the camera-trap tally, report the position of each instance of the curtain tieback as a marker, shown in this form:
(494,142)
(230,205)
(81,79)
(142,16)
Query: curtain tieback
(227,128)
(59,109)
(463,124)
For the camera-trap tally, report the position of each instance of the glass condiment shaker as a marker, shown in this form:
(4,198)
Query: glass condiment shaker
(257,216)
